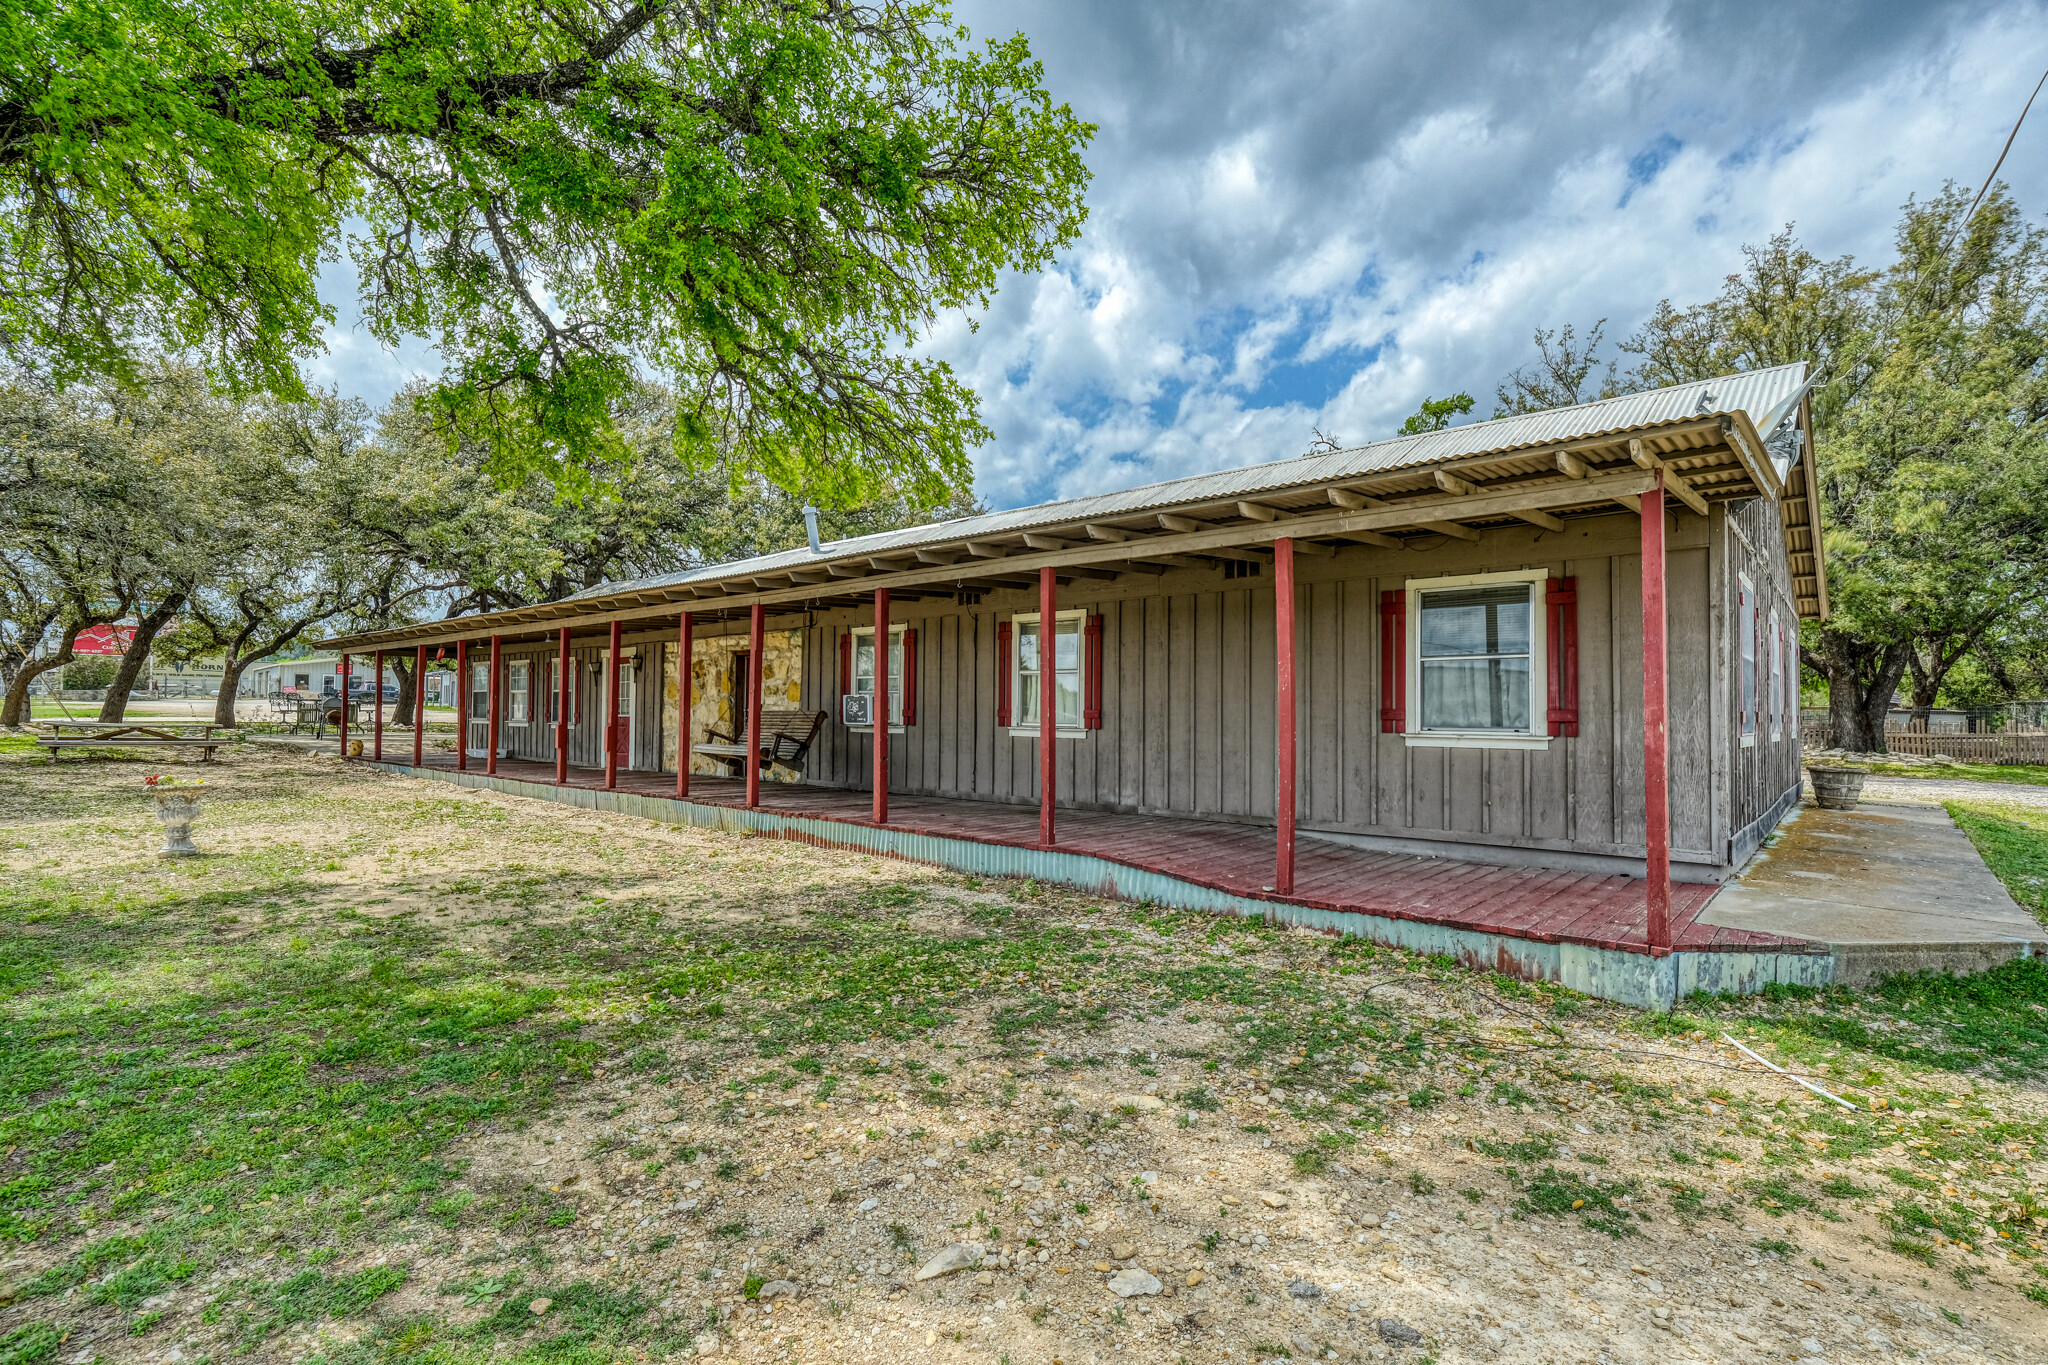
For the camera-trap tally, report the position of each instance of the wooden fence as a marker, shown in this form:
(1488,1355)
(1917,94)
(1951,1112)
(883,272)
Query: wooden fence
(2003,747)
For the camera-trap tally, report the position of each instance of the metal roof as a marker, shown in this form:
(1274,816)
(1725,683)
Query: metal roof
(1765,397)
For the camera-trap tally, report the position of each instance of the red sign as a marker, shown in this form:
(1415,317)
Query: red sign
(104,640)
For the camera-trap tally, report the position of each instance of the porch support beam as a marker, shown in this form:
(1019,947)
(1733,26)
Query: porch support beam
(757,631)
(1656,731)
(343,662)
(462,706)
(1421,513)
(497,685)
(685,646)
(881,726)
(419,704)
(377,714)
(611,709)
(1543,519)
(564,693)
(1284,715)
(1048,708)
(1672,482)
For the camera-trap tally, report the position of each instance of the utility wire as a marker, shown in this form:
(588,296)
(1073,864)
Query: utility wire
(2001,156)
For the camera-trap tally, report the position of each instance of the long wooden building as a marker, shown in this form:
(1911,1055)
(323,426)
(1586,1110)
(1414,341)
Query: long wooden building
(1508,689)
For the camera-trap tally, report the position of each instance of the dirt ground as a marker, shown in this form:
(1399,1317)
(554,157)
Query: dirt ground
(1158,1139)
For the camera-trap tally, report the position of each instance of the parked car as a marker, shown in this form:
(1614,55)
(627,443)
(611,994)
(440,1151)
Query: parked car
(359,689)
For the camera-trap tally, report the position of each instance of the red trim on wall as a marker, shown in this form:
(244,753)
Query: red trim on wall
(1003,671)
(1561,602)
(1394,661)
(846,663)
(1091,673)
(910,676)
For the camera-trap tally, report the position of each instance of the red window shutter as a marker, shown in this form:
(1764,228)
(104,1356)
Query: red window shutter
(1002,673)
(910,676)
(1393,661)
(1091,674)
(846,663)
(1561,599)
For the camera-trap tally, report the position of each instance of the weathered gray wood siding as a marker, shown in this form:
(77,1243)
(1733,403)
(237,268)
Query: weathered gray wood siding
(1188,698)
(535,740)
(1759,776)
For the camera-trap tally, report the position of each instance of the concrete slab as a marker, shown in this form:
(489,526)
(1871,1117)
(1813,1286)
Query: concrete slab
(1889,887)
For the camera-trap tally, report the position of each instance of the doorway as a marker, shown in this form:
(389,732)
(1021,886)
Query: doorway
(479,744)
(742,670)
(623,735)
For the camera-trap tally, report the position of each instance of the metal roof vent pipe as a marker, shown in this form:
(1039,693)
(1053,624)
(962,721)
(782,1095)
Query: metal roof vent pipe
(811,526)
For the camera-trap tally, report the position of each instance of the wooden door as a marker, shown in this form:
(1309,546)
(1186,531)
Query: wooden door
(622,734)
(479,744)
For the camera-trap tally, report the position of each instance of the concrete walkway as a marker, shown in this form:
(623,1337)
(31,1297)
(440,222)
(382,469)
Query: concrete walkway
(1890,886)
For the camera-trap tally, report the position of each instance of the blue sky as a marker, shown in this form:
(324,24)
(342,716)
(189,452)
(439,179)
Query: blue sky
(1314,215)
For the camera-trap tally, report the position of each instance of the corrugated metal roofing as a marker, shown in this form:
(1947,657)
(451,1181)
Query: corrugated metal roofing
(1764,396)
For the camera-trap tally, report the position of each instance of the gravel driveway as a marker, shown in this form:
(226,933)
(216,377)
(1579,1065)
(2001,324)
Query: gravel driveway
(1935,789)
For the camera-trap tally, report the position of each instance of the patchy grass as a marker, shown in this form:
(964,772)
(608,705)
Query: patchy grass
(394,1062)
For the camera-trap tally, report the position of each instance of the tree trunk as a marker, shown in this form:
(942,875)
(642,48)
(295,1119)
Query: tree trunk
(1924,690)
(17,686)
(115,707)
(230,685)
(1861,679)
(402,709)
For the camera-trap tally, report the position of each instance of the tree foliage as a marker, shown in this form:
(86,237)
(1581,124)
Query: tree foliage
(765,201)
(1932,433)
(1435,414)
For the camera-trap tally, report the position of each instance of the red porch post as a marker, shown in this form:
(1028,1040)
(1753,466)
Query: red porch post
(377,715)
(1048,707)
(497,686)
(344,706)
(564,691)
(462,705)
(1656,732)
(757,623)
(881,731)
(611,711)
(419,704)
(1283,720)
(684,637)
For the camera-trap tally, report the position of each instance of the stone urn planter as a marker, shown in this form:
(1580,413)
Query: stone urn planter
(177,805)
(1837,788)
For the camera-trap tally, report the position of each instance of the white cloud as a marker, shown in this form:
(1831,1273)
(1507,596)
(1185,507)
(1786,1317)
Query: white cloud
(1318,213)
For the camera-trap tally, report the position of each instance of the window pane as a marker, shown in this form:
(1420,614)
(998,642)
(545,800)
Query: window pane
(1492,620)
(1027,699)
(1067,683)
(863,663)
(1475,694)
(1027,647)
(1067,645)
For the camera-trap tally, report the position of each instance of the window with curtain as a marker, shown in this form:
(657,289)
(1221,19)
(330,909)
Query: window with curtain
(1745,633)
(1064,674)
(1474,656)
(864,667)
(518,692)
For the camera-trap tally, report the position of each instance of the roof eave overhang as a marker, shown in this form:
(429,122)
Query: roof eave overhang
(1565,483)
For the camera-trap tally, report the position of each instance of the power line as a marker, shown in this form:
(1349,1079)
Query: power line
(2002,151)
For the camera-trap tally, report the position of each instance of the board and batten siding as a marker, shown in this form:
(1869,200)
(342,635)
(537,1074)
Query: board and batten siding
(1189,699)
(1762,778)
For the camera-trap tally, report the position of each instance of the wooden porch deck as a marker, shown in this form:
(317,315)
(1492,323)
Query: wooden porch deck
(1540,905)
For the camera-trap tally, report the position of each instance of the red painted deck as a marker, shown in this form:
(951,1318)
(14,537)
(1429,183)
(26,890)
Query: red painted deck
(1541,905)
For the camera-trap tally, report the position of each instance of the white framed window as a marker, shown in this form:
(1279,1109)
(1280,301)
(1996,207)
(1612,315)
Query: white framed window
(864,670)
(1774,640)
(1029,680)
(1745,634)
(518,692)
(1476,661)
(1793,678)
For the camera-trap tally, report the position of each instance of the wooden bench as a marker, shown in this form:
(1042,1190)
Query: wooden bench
(85,734)
(786,738)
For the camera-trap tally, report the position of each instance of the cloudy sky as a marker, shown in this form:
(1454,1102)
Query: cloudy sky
(1315,214)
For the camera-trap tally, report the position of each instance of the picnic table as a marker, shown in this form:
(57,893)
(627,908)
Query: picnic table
(114,734)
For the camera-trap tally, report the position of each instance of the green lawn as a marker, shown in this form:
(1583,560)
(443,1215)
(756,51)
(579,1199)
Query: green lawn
(2013,840)
(296,1098)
